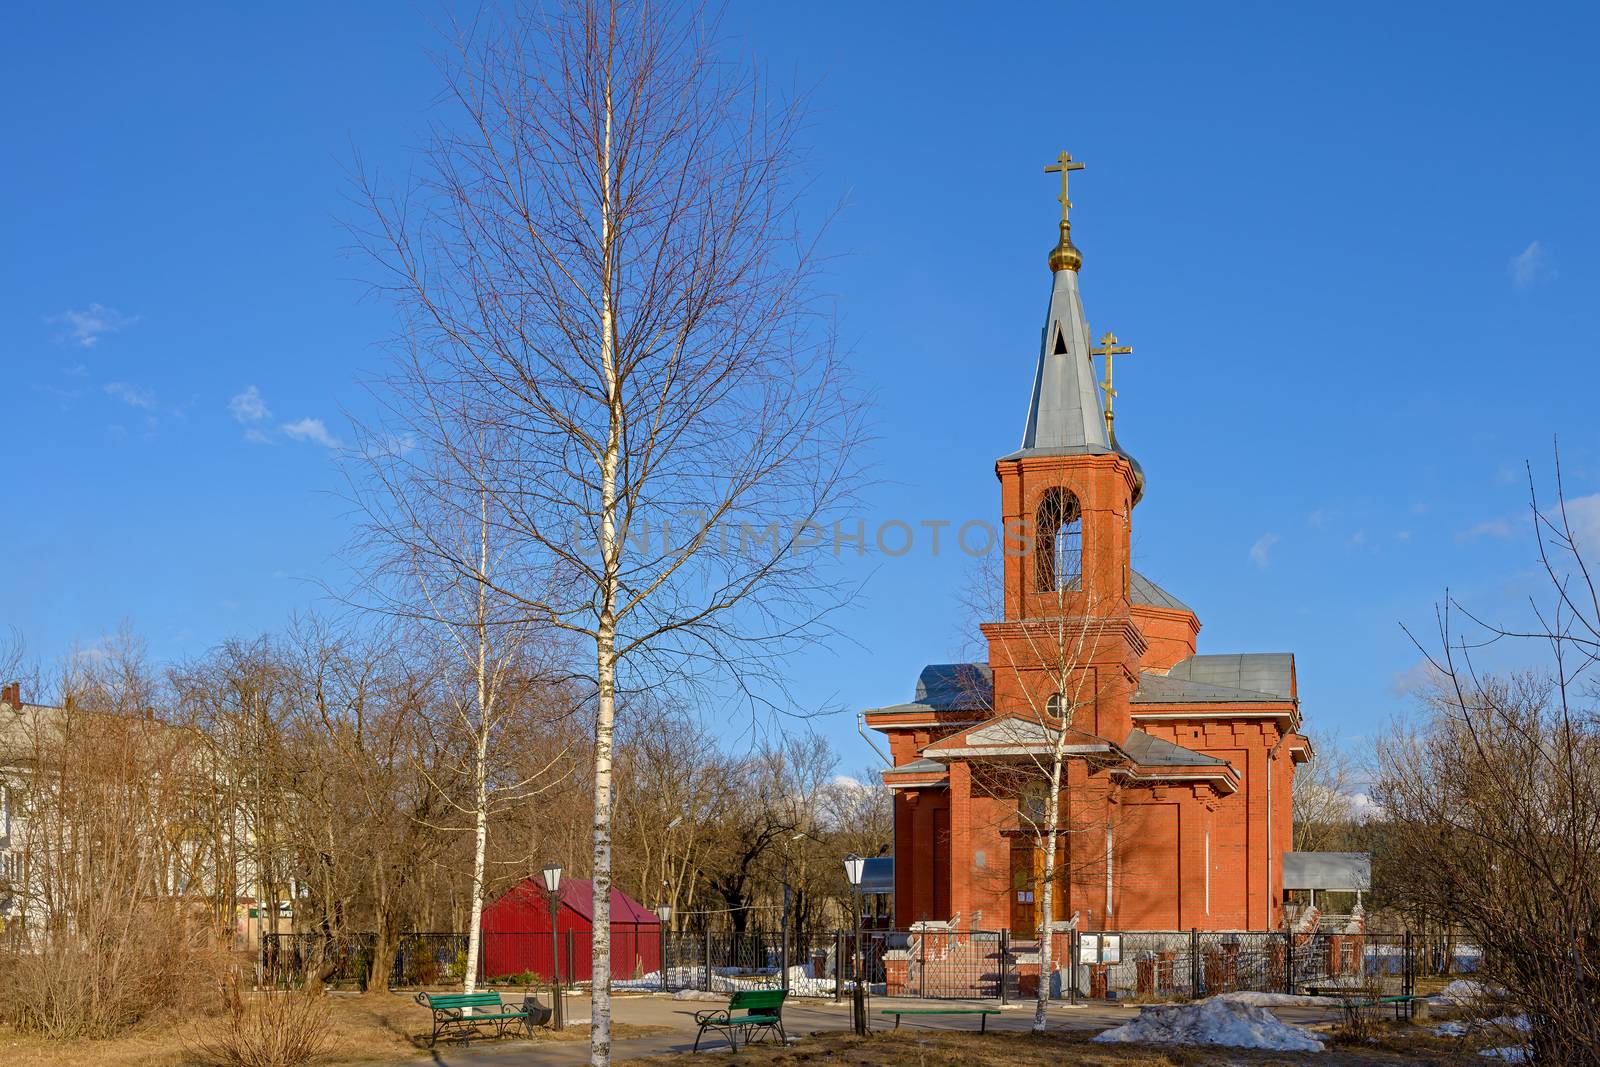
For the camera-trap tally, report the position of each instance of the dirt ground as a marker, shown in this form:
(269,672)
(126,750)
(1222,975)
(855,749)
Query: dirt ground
(393,1029)
(943,1048)
(378,1028)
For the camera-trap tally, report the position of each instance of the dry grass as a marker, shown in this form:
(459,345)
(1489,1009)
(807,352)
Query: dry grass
(942,1048)
(369,1028)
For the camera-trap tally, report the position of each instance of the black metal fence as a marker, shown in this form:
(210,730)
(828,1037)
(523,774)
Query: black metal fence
(421,959)
(932,963)
(1187,964)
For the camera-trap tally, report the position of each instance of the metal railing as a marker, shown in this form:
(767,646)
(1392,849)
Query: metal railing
(932,961)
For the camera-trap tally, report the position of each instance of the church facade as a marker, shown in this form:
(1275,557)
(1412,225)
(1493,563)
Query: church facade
(1171,770)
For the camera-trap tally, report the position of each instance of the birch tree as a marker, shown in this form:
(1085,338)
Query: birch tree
(1048,661)
(426,514)
(605,257)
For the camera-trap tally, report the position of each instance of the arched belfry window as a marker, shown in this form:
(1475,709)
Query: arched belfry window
(1058,542)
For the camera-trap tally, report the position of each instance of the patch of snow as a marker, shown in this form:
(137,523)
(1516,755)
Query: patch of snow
(1460,991)
(1213,1022)
(1273,1000)
(698,994)
(801,984)
(1513,1054)
(1511,1022)
(1450,1029)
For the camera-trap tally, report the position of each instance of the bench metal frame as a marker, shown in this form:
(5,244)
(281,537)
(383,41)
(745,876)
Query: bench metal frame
(982,1013)
(765,1016)
(450,1018)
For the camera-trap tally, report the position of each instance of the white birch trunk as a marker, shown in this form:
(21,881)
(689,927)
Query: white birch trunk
(606,638)
(480,765)
(1047,890)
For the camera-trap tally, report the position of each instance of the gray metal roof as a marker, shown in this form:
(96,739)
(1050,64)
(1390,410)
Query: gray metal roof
(1259,672)
(1347,871)
(1148,751)
(1147,592)
(1164,689)
(1065,410)
(918,766)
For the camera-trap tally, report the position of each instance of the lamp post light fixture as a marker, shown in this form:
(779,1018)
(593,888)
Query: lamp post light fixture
(664,916)
(854,865)
(552,895)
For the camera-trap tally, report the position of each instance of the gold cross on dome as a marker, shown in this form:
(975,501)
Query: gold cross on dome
(1109,348)
(1064,166)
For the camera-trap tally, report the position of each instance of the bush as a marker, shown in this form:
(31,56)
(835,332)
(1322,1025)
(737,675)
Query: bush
(268,1029)
(101,980)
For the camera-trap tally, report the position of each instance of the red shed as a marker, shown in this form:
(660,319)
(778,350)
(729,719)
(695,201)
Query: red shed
(516,932)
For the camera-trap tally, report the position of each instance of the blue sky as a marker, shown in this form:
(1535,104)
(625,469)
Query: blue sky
(1348,246)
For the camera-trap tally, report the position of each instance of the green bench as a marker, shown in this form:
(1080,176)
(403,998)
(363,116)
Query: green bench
(749,1012)
(982,1013)
(462,1014)
(1354,1000)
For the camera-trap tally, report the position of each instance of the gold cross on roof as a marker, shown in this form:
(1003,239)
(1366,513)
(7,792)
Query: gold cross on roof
(1109,348)
(1064,166)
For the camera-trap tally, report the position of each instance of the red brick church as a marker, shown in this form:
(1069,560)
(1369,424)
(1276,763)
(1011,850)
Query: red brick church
(1177,768)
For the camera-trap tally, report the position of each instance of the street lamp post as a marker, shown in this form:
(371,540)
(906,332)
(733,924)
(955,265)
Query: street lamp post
(552,895)
(664,914)
(854,865)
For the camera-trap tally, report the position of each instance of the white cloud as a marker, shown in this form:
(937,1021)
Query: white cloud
(132,395)
(1363,808)
(1530,266)
(257,437)
(1415,680)
(1499,529)
(86,327)
(1583,515)
(248,407)
(313,430)
(1319,518)
(1259,552)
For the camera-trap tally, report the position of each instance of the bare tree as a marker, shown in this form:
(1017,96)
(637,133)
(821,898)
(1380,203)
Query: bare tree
(1324,808)
(1047,658)
(1492,805)
(424,515)
(674,786)
(603,260)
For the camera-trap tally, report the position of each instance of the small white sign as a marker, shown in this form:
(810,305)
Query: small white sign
(1099,948)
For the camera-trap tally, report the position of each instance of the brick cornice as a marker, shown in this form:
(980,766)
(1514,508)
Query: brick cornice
(1039,631)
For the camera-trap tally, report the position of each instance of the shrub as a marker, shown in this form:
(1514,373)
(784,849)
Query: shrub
(268,1029)
(102,978)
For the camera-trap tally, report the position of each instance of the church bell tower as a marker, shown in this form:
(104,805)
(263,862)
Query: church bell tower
(1067,498)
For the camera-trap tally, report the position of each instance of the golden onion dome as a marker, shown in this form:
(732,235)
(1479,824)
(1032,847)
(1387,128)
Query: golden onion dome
(1065,255)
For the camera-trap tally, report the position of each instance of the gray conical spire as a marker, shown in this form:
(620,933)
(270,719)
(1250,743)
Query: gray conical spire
(1065,413)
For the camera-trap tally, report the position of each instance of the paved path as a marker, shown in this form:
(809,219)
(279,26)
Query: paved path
(801,1017)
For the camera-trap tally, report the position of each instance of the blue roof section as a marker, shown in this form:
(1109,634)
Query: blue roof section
(955,686)
(877,875)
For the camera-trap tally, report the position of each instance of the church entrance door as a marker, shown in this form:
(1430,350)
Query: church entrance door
(1024,884)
